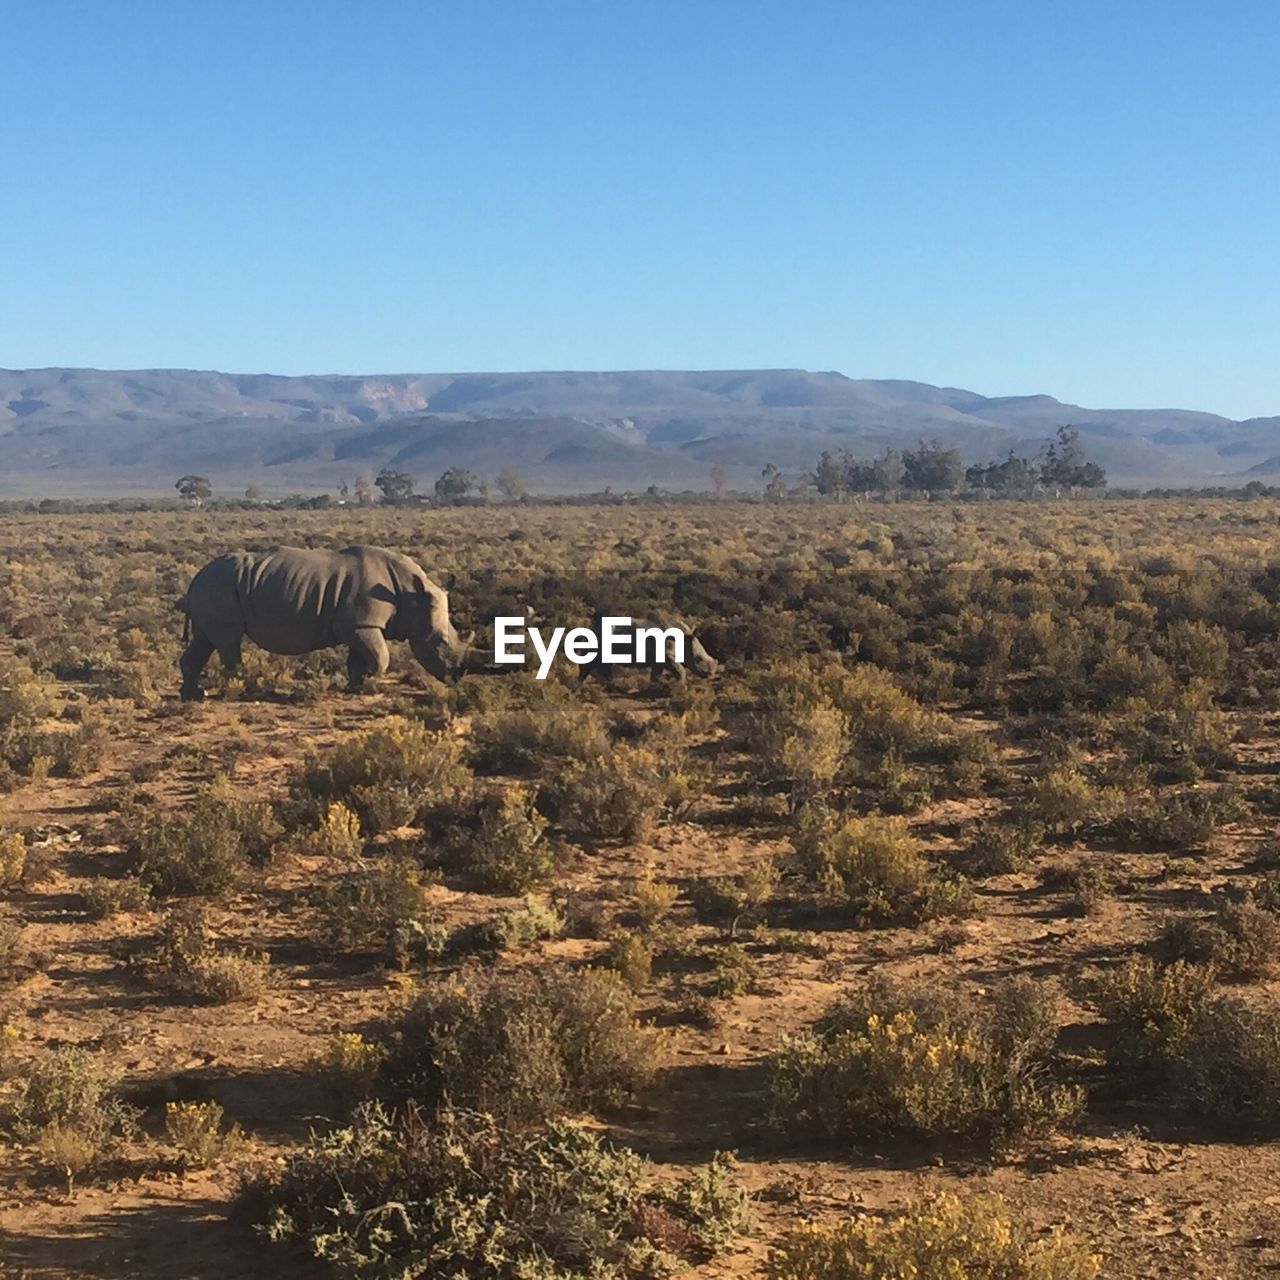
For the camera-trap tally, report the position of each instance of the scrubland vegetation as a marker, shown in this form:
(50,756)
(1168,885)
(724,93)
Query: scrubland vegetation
(951,905)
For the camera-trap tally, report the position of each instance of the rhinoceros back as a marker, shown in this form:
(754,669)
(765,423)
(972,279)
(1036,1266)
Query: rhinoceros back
(293,599)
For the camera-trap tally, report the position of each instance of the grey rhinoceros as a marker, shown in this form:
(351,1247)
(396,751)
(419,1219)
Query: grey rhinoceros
(696,657)
(295,600)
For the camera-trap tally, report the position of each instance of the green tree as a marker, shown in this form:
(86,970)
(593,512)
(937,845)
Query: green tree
(932,468)
(456,483)
(396,486)
(1065,464)
(194,489)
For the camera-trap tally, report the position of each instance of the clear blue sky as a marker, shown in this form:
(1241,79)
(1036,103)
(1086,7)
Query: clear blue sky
(1008,195)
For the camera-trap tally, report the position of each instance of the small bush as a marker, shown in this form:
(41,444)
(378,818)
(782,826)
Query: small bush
(195,1129)
(631,958)
(897,1061)
(938,1237)
(1240,940)
(380,909)
(552,729)
(871,865)
(1228,1067)
(620,795)
(104,897)
(501,841)
(350,1065)
(465,1198)
(205,848)
(522,1046)
(389,775)
(1189,820)
(338,835)
(67,1104)
(733,971)
(522,926)
(999,848)
(188,959)
(13,860)
(733,900)
(653,900)
(1153,1010)
(1065,801)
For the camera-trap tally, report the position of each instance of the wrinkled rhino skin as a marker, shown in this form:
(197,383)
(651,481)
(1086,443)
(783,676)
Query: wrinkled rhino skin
(295,600)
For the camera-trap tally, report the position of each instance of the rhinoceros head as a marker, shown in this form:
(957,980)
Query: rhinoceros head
(432,637)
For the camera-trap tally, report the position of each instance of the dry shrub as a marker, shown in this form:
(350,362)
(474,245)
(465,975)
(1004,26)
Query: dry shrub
(338,835)
(620,795)
(390,775)
(195,1128)
(67,1104)
(653,900)
(937,1238)
(350,1066)
(104,897)
(189,959)
(465,1198)
(1241,940)
(522,1046)
(998,848)
(381,909)
(631,958)
(552,728)
(1064,801)
(737,899)
(1229,1066)
(927,1063)
(204,848)
(1153,1010)
(501,841)
(13,859)
(871,865)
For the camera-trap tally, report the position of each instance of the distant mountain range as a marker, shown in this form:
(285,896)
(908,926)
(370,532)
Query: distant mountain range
(87,431)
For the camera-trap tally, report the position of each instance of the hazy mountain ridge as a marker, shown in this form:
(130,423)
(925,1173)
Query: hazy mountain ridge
(88,430)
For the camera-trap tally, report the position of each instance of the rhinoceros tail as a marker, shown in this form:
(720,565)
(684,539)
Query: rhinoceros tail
(186,620)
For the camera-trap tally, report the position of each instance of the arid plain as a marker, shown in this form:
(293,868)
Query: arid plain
(995,782)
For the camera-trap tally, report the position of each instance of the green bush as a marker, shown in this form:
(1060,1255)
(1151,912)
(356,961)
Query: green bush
(381,909)
(521,1046)
(872,866)
(466,1199)
(500,841)
(1152,1010)
(1241,940)
(926,1063)
(937,1238)
(205,847)
(390,775)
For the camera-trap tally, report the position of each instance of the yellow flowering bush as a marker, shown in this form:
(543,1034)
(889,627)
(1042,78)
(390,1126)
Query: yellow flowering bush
(937,1238)
(925,1063)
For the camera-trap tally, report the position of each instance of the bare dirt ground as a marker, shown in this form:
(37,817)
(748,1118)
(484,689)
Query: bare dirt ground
(1157,1199)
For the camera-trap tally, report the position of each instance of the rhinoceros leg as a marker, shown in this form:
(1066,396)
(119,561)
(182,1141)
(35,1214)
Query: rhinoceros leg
(192,664)
(367,655)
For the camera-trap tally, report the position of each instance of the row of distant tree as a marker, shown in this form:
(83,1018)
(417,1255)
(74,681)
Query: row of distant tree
(933,467)
(395,487)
